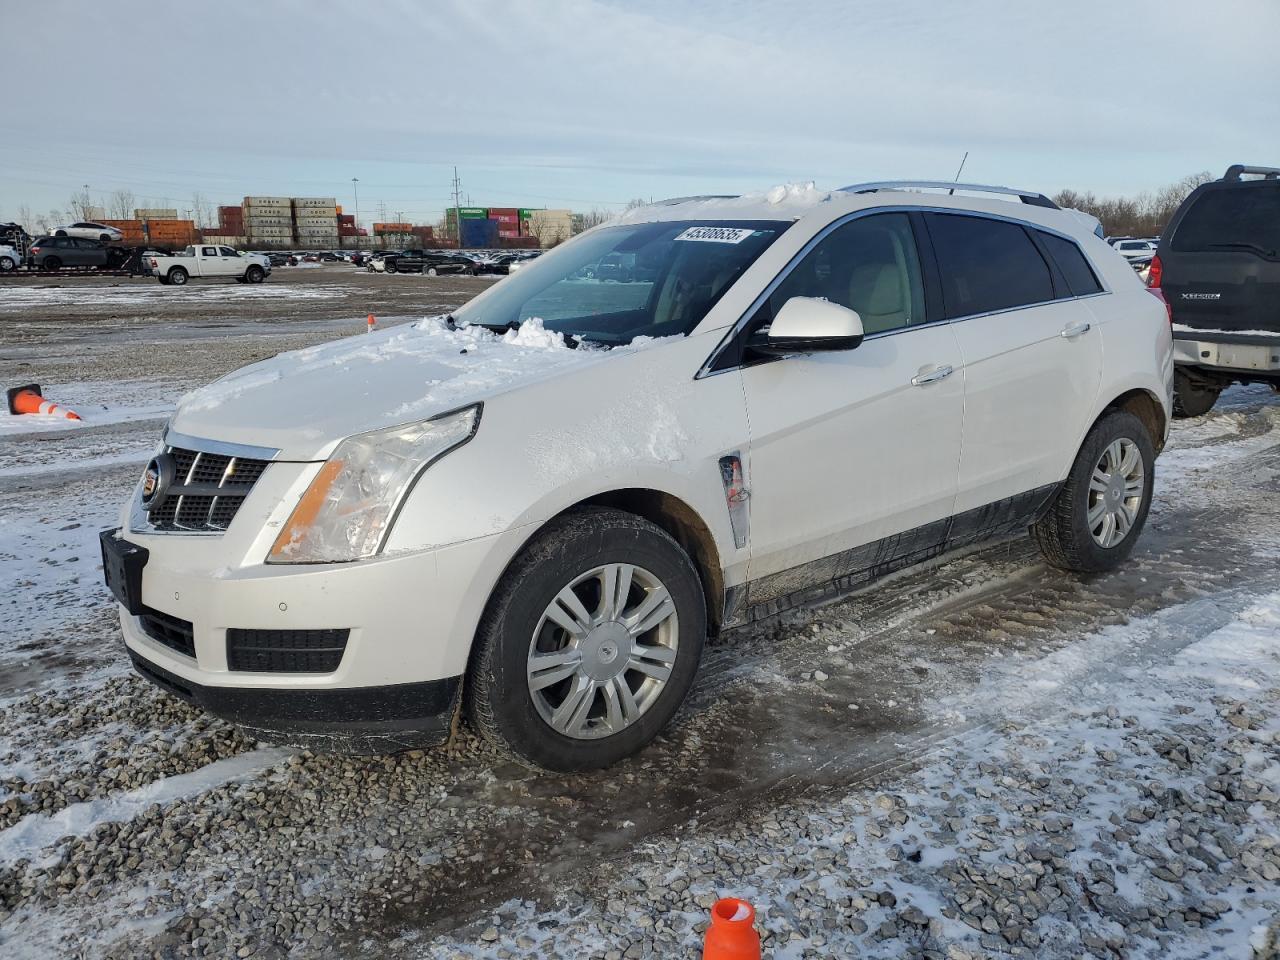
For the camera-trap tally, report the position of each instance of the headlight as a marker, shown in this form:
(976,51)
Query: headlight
(347,511)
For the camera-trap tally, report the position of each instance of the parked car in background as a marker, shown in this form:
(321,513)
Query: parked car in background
(10,258)
(430,262)
(1218,269)
(211,261)
(54,253)
(377,262)
(1133,250)
(732,447)
(88,230)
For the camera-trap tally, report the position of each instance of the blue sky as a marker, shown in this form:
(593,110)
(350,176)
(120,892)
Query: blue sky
(587,104)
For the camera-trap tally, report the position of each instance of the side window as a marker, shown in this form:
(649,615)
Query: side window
(226,251)
(209,251)
(987,265)
(1081,280)
(870,265)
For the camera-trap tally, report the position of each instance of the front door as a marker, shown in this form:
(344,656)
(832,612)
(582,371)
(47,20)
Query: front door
(854,453)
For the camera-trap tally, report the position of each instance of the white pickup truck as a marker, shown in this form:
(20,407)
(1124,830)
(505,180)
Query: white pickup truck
(208,260)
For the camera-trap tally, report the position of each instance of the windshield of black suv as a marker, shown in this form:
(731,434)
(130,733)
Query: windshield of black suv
(633,280)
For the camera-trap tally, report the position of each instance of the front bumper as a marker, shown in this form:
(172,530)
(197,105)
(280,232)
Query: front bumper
(358,720)
(1227,352)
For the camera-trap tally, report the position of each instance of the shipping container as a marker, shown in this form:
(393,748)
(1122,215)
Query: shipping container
(266,202)
(392,227)
(502,213)
(479,233)
(346,219)
(330,222)
(155,213)
(526,213)
(473,213)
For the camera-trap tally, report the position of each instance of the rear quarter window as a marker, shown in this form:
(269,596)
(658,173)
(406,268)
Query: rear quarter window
(1071,261)
(1248,214)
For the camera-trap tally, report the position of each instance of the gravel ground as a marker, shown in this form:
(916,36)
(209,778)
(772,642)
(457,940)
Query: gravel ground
(982,757)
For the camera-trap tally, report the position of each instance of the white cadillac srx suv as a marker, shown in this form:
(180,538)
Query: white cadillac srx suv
(535,510)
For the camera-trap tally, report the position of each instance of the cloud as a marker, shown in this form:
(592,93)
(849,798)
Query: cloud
(607,100)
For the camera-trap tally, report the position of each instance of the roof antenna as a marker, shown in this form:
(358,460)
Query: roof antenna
(964,159)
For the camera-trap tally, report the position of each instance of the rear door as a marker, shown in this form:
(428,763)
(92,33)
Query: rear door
(85,253)
(1221,258)
(1032,358)
(209,262)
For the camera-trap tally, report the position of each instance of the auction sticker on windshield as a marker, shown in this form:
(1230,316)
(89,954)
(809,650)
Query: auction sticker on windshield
(716,234)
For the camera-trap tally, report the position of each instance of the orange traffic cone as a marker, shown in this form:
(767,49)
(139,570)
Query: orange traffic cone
(372,323)
(29,399)
(732,934)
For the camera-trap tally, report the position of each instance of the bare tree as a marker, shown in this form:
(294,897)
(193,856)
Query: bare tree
(120,205)
(1142,216)
(26,217)
(50,220)
(594,217)
(80,206)
(201,209)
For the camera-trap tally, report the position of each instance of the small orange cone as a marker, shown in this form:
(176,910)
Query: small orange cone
(372,323)
(29,399)
(732,934)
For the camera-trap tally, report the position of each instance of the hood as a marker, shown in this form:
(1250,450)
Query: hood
(304,402)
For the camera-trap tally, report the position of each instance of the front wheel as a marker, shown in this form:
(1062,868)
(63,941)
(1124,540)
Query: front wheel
(7,265)
(254,274)
(1191,399)
(589,644)
(432,272)
(1098,514)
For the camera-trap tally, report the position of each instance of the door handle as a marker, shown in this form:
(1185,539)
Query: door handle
(1075,329)
(939,372)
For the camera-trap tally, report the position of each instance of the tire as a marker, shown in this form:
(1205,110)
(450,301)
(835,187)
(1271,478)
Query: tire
(60,233)
(1064,534)
(52,264)
(7,265)
(254,274)
(164,281)
(1191,399)
(390,268)
(105,238)
(432,272)
(178,277)
(574,552)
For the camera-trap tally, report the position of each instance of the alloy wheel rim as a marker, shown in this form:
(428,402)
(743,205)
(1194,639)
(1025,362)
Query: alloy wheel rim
(1116,489)
(603,651)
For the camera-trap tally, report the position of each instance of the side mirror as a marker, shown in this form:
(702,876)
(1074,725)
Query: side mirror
(809,325)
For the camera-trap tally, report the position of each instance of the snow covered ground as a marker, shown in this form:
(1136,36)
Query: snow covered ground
(983,757)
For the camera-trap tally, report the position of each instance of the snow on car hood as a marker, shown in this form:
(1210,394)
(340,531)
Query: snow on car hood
(305,401)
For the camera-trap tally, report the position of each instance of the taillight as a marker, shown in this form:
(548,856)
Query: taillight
(35,249)
(153,262)
(1156,272)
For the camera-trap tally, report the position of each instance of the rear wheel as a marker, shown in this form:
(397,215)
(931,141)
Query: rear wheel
(254,274)
(1098,514)
(178,277)
(52,263)
(1192,399)
(432,272)
(589,644)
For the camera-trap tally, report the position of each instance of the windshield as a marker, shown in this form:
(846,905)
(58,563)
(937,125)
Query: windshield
(617,283)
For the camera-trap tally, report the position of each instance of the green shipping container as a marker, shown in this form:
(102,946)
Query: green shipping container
(474,213)
(526,214)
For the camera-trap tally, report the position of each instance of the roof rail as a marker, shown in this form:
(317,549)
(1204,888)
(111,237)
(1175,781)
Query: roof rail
(1235,171)
(1027,196)
(671,202)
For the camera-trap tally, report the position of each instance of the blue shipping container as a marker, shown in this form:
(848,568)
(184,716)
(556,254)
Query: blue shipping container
(479,233)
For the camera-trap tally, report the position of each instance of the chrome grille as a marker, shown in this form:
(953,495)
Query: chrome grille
(207,491)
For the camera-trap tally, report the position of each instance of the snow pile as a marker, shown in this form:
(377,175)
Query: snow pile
(99,402)
(783,200)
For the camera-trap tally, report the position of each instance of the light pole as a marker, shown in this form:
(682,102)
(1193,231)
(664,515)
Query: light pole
(355,185)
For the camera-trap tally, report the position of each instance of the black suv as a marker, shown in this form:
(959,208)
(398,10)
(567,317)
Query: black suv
(53,253)
(1218,268)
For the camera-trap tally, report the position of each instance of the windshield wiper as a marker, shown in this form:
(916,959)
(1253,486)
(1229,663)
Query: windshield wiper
(1244,246)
